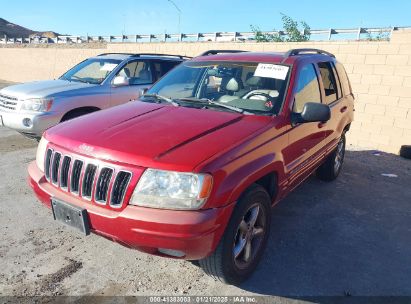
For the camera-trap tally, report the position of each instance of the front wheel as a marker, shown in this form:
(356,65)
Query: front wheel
(331,168)
(244,240)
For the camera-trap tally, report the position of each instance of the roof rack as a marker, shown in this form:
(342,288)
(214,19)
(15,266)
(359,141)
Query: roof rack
(164,55)
(215,52)
(146,54)
(105,54)
(295,52)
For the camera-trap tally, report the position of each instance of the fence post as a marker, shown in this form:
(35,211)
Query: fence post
(236,34)
(359,33)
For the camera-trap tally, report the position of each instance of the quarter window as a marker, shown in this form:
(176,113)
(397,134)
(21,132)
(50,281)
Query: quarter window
(345,83)
(329,82)
(307,88)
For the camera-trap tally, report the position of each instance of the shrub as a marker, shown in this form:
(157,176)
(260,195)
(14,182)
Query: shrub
(291,28)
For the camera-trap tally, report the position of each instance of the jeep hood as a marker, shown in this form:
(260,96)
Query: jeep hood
(45,88)
(155,135)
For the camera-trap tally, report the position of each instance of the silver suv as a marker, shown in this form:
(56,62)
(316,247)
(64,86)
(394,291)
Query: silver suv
(97,83)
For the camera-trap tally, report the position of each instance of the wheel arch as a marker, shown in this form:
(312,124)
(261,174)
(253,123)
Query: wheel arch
(84,110)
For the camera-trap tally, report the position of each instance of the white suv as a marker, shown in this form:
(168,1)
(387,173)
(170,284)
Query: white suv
(97,83)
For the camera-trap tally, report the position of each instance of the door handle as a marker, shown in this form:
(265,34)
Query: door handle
(343,109)
(321,124)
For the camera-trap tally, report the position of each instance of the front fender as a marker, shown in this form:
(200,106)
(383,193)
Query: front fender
(232,180)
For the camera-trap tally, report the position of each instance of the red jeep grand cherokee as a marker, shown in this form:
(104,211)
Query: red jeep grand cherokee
(192,169)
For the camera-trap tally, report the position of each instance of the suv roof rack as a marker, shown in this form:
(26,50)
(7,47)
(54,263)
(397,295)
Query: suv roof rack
(215,52)
(105,54)
(161,55)
(146,54)
(295,52)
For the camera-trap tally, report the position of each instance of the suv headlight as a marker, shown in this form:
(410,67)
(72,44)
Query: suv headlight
(37,104)
(172,190)
(41,151)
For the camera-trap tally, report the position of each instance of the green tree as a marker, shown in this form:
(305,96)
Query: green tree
(292,29)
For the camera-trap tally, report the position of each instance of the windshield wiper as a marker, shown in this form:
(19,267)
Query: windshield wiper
(222,105)
(163,98)
(79,79)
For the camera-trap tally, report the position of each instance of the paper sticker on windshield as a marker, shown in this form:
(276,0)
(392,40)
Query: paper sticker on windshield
(108,67)
(271,71)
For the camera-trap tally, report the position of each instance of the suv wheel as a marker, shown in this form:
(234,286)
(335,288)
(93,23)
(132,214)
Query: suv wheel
(244,240)
(330,169)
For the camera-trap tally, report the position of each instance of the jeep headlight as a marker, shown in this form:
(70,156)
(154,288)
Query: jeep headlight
(37,104)
(172,190)
(41,151)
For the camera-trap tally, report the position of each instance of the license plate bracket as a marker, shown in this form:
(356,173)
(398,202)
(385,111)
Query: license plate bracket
(71,215)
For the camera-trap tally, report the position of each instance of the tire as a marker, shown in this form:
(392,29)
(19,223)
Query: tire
(405,151)
(331,168)
(222,264)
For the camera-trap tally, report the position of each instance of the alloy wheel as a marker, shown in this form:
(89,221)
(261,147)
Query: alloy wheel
(249,236)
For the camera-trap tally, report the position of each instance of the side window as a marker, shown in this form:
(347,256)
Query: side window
(162,67)
(168,65)
(345,83)
(329,81)
(307,88)
(138,72)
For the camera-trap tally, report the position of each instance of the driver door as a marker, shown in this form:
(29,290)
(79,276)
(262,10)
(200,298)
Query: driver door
(306,140)
(139,75)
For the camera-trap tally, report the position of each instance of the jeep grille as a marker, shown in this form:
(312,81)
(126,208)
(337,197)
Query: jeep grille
(89,180)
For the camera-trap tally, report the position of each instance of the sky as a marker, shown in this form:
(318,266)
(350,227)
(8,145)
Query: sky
(94,17)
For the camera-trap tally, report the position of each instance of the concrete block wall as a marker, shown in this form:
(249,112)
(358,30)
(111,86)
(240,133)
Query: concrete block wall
(380,74)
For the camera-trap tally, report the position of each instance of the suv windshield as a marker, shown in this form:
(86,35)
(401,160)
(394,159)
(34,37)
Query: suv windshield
(256,88)
(92,71)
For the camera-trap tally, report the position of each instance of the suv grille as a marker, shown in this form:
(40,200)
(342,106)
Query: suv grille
(64,172)
(8,102)
(102,184)
(119,188)
(75,176)
(86,179)
(55,166)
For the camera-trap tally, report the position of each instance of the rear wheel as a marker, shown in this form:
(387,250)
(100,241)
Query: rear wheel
(331,168)
(244,239)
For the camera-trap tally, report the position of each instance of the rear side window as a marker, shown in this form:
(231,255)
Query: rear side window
(138,72)
(329,82)
(162,67)
(307,88)
(345,83)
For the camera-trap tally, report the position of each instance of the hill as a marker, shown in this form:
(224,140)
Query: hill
(16,31)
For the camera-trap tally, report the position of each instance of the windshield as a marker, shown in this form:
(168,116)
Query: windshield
(256,88)
(92,71)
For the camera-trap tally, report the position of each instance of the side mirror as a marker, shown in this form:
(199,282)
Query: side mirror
(143,91)
(312,112)
(120,81)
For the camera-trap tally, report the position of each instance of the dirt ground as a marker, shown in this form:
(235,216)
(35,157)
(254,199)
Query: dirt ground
(348,237)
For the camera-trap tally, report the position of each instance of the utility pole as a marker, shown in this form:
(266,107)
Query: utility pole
(179,16)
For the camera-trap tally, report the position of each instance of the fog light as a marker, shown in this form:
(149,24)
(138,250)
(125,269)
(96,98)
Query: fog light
(175,253)
(27,122)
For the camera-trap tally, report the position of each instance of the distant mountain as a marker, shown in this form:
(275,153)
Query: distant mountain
(16,31)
